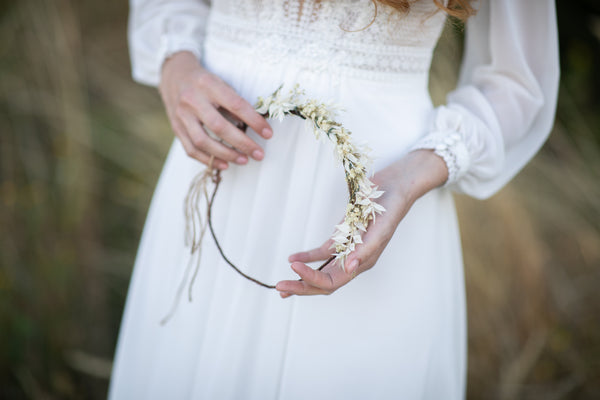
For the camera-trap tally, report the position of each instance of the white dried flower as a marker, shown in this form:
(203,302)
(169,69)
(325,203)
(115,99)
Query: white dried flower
(354,158)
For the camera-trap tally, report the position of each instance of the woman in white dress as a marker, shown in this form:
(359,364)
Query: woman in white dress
(396,331)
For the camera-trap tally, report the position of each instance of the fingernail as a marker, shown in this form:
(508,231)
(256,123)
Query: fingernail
(223,166)
(241,160)
(257,155)
(352,266)
(267,133)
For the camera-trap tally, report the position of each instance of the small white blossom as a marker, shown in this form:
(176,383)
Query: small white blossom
(354,158)
(262,106)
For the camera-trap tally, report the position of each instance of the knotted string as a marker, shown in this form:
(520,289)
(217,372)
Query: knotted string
(195,228)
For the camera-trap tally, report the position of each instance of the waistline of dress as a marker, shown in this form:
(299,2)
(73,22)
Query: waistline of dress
(310,52)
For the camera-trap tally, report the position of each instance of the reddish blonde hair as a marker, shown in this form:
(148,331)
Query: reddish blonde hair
(460,9)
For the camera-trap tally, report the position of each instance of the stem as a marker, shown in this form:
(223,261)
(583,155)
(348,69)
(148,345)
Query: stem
(330,259)
(217,180)
(212,232)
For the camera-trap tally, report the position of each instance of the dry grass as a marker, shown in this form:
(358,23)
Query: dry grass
(532,265)
(81,147)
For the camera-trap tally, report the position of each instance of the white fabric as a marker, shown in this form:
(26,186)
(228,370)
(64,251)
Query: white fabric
(159,28)
(504,105)
(398,330)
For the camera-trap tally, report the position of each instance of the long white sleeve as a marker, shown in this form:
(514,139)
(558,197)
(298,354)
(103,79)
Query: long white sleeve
(503,108)
(159,28)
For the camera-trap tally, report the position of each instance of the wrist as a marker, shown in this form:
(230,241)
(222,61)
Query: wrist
(419,172)
(178,63)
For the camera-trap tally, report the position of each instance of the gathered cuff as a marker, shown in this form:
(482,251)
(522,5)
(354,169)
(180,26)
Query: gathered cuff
(149,72)
(451,148)
(171,44)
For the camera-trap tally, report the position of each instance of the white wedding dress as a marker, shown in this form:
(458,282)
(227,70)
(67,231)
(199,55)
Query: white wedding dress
(397,331)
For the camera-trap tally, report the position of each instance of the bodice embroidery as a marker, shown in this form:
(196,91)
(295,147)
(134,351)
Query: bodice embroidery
(341,37)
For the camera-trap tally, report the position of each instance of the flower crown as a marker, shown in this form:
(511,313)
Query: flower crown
(361,208)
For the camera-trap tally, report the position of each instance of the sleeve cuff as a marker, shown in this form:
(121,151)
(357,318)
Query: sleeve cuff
(451,148)
(149,73)
(171,44)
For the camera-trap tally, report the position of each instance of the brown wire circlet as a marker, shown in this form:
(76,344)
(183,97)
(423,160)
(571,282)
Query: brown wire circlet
(216,180)
(361,209)
(194,236)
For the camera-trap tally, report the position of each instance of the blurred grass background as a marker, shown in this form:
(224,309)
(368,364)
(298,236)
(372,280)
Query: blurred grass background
(81,147)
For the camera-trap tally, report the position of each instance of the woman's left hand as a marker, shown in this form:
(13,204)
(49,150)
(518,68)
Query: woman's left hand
(403,183)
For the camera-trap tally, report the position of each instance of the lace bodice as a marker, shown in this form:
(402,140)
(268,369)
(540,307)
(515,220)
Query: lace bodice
(348,36)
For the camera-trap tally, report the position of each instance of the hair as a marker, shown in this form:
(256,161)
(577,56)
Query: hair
(461,9)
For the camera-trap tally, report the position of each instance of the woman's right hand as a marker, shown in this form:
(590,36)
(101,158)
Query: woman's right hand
(192,98)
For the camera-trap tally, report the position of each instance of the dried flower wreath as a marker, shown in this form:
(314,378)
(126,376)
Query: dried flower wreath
(361,206)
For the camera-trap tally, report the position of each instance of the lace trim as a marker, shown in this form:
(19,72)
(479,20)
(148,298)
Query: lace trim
(450,147)
(314,51)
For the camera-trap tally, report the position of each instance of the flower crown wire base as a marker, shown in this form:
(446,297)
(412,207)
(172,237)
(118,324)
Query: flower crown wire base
(232,265)
(361,208)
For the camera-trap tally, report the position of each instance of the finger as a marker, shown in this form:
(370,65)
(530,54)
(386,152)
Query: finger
(318,254)
(300,288)
(330,278)
(303,287)
(217,123)
(203,142)
(193,152)
(327,280)
(374,240)
(238,106)
(241,125)
(352,263)
(315,282)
